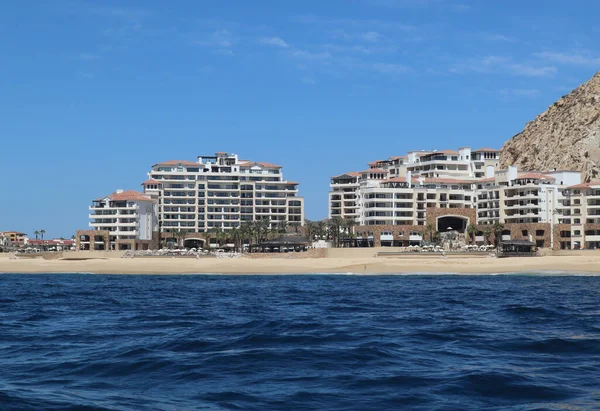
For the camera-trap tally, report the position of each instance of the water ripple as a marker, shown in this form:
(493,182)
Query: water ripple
(102,342)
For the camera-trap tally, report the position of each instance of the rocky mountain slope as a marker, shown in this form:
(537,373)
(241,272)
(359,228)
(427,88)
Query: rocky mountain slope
(566,136)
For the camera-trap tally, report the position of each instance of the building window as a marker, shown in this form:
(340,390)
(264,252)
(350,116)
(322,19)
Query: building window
(525,233)
(539,233)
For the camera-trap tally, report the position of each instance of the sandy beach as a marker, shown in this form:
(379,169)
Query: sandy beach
(371,265)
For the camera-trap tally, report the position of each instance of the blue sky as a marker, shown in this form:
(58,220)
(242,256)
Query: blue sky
(94,93)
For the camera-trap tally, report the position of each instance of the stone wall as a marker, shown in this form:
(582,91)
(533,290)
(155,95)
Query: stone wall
(557,238)
(91,234)
(433,213)
(516,232)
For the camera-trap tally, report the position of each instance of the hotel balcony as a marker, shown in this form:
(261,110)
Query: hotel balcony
(124,233)
(112,208)
(345,185)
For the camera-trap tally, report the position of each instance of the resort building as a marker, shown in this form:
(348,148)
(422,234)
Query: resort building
(16,238)
(579,216)
(221,192)
(123,220)
(396,201)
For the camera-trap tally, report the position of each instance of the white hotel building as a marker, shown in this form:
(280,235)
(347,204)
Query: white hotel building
(119,221)
(397,192)
(221,192)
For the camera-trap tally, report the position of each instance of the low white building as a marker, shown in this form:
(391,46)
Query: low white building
(127,216)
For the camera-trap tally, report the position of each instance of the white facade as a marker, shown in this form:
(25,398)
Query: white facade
(221,192)
(399,190)
(126,215)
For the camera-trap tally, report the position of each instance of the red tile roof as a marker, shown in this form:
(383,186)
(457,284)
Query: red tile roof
(395,180)
(52,242)
(350,173)
(151,181)
(373,170)
(445,152)
(587,185)
(260,164)
(486,180)
(291,183)
(535,176)
(485,149)
(447,181)
(177,162)
(127,196)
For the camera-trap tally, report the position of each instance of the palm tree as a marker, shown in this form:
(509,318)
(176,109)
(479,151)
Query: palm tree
(430,229)
(42,232)
(296,225)
(282,226)
(310,228)
(235,234)
(206,236)
(472,230)
(321,228)
(37,233)
(179,234)
(487,231)
(497,228)
(350,224)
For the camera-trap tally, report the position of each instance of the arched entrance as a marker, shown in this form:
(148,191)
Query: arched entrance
(452,223)
(193,243)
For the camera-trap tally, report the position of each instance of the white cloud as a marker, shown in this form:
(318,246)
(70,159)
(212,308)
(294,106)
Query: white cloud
(576,59)
(359,48)
(224,52)
(88,56)
(371,36)
(499,37)
(520,92)
(368,24)
(308,80)
(306,55)
(502,65)
(219,38)
(388,68)
(274,41)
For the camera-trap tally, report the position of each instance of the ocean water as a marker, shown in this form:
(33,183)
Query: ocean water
(314,342)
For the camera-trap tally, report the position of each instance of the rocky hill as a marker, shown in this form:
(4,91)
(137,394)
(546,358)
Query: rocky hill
(566,136)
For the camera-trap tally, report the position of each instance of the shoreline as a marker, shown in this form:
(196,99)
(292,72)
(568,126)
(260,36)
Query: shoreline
(543,265)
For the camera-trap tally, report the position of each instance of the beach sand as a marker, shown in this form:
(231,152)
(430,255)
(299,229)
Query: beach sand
(371,265)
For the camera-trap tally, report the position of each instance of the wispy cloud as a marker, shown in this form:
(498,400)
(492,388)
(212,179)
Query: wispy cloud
(274,41)
(499,37)
(576,59)
(88,56)
(389,68)
(371,36)
(502,65)
(86,75)
(520,92)
(308,80)
(457,7)
(401,3)
(120,12)
(359,48)
(355,24)
(307,55)
(219,38)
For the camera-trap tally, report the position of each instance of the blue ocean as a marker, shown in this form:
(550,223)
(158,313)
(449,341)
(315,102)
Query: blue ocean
(310,342)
